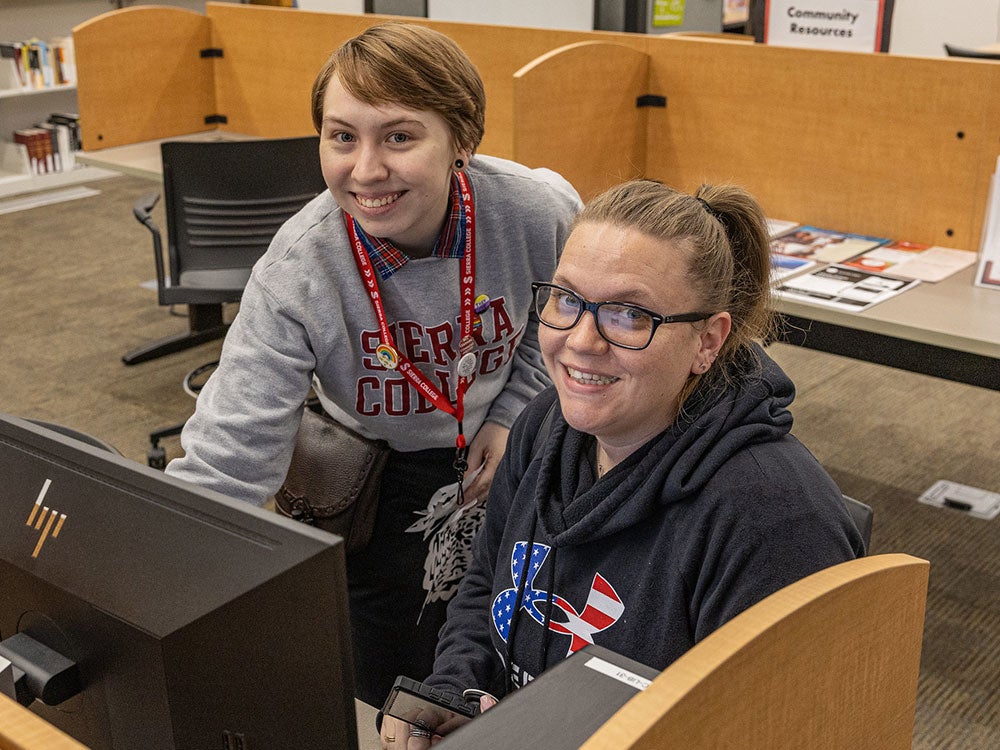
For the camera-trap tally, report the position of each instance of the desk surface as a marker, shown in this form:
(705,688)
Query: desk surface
(143,159)
(953,314)
(367,736)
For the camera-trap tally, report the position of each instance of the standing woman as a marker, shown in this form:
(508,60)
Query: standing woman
(447,242)
(666,493)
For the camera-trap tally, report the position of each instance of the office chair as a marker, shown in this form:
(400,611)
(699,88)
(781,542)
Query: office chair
(954,51)
(194,381)
(862,515)
(224,201)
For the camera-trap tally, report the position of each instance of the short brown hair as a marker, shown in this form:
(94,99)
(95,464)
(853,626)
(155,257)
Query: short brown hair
(413,66)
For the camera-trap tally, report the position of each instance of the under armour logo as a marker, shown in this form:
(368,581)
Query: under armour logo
(601,611)
(42,518)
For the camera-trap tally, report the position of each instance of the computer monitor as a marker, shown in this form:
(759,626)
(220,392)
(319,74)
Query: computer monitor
(193,620)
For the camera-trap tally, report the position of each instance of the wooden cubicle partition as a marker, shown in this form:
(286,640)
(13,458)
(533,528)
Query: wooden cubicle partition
(879,144)
(576,111)
(827,663)
(895,146)
(141,75)
(887,145)
(262,81)
(272,56)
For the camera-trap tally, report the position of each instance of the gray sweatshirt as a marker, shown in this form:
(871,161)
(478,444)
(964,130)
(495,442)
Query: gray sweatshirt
(306,319)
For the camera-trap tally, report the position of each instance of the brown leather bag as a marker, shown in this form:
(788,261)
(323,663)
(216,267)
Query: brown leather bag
(334,479)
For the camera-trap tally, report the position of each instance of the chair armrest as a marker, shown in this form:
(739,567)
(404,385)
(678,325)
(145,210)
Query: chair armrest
(142,209)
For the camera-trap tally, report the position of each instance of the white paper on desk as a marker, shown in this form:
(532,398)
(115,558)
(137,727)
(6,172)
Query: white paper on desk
(934,264)
(844,288)
(913,260)
(449,529)
(988,274)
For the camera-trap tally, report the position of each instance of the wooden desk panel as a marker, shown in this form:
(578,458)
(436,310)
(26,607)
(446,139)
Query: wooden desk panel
(20,729)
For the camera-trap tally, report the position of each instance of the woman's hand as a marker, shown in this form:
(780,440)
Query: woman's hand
(400,735)
(486,450)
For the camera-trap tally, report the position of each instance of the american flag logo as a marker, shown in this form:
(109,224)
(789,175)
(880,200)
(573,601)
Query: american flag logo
(602,610)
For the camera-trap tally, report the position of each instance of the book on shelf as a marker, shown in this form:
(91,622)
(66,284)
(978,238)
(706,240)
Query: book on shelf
(823,245)
(12,72)
(988,272)
(51,146)
(38,142)
(843,288)
(71,121)
(35,64)
(913,260)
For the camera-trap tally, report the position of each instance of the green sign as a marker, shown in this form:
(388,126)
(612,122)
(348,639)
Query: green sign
(668,12)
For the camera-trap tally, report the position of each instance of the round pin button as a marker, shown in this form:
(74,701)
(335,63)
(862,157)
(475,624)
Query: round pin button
(481,303)
(467,365)
(387,356)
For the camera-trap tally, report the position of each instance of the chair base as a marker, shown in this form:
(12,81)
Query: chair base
(205,323)
(156,457)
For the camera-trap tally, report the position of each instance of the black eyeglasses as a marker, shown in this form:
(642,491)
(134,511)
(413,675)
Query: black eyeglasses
(619,323)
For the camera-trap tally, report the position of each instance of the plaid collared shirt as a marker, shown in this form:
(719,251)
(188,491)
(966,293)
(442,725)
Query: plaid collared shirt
(387,258)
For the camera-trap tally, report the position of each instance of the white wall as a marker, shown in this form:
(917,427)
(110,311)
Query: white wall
(546,14)
(23,19)
(332,6)
(921,27)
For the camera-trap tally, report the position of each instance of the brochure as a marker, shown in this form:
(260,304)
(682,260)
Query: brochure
(826,245)
(913,260)
(844,288)
(783,266)
(779,226)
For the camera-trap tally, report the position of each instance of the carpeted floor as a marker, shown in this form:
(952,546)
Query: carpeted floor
(72,304)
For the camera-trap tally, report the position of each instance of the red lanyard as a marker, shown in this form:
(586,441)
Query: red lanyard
(392,358)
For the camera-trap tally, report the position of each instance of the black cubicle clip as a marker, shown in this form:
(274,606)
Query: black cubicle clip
(651,100)
(213,119)
(212,52)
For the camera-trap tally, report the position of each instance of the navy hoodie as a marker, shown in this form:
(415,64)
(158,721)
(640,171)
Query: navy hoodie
(714,514)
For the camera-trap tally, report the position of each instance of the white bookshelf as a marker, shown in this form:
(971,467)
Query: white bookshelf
(15,93)
(17,184)
(21,108)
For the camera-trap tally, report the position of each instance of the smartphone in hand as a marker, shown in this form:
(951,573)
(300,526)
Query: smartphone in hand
(428,708)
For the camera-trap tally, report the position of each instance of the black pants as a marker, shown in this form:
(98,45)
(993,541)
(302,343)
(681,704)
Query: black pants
(385,580)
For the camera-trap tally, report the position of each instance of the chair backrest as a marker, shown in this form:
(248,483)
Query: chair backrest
(826,663)
(955,51)
(226,199)
(862,515)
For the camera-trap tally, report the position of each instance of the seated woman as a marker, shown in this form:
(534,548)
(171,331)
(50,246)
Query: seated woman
(665,494)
